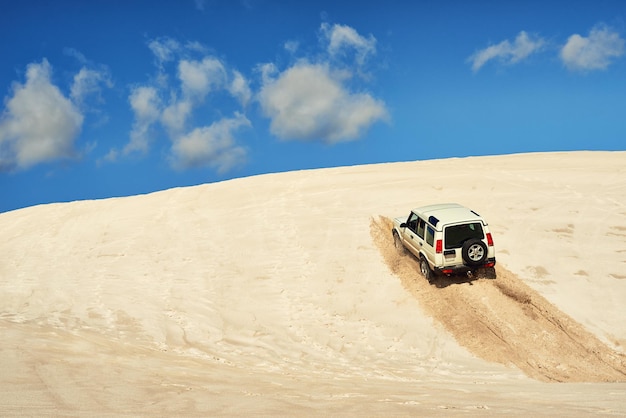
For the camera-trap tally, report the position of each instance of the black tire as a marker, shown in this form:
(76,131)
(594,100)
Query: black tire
(474,252)
(397,242)
(425,270)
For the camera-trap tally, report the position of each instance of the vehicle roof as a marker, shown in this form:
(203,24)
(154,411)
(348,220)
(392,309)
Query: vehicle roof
(448,213)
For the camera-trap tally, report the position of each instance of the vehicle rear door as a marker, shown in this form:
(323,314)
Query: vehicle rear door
(428,243)
(456,235)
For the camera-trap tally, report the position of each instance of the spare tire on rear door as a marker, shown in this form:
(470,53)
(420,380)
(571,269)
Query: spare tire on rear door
(474,252)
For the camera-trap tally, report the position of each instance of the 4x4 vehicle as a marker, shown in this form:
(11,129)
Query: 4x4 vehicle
(447,239)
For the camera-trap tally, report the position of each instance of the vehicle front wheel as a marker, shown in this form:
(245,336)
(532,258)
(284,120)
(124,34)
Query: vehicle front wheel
(425,269)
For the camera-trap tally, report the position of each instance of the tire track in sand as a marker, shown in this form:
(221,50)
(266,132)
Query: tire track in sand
(505,321)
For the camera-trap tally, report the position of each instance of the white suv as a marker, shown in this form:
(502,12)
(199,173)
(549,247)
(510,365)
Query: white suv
(447,239)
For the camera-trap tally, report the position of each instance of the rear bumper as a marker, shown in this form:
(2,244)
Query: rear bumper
(448,270)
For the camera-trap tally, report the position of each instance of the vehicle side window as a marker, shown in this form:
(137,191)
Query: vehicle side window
(430,236)
(420,228)
(411,223)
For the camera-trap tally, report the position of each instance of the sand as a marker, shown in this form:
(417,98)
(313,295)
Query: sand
(282,294)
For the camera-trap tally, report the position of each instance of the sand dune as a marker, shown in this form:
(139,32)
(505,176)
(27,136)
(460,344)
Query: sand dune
(280,295)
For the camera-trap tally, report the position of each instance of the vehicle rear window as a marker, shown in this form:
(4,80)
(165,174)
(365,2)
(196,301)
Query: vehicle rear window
(456,235)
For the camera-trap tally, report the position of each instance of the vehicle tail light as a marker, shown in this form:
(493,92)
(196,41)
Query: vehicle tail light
(489,239)
(439,246)
(447,271)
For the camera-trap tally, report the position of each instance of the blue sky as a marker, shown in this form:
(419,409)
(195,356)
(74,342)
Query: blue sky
(115,98)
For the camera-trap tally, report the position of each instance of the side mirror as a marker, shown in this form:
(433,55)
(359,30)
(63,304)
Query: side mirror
(403,225)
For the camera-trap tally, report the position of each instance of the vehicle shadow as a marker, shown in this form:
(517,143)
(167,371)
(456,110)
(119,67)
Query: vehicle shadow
(445,281)
(442,281)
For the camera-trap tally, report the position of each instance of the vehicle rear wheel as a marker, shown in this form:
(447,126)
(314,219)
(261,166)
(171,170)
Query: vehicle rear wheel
(425,269)
(397,242)
(474,252)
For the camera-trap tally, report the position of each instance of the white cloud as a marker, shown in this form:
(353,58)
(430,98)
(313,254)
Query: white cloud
(507,52)
(164,49)
(39,124)
(212,146)
(88,82)
(76,54)
(292,46)
(344,39)
(240,89)
(593,52)
(195,46)
(146,105)
(198,78)
(268,71)
(312,100)
(174,116)
(110,157)
(307,103)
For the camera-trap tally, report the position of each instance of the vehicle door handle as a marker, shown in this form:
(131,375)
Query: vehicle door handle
(421,243)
